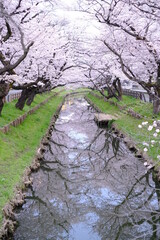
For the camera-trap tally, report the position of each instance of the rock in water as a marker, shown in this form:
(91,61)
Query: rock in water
(104,119)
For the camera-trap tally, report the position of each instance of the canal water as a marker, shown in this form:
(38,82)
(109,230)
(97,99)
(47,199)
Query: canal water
(89,186)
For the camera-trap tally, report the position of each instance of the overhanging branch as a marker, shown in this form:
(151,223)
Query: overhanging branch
(10,67)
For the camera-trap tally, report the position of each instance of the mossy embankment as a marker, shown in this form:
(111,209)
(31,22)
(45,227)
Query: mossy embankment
(129,125)
(18,146)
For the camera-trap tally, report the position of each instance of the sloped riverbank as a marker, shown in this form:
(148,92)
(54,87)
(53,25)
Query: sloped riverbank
(23,142)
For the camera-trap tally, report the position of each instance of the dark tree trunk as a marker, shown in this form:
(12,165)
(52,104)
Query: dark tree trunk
(31,97)
(118,88)
(1,105)
(156,106)
(4,89)
(150,98)
(111,92)
(156,102)
(21,101)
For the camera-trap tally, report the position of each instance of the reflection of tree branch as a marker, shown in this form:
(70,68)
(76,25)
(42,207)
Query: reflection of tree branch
(131,190)
(84,177)
(121,228)
(129,216)
(38,199)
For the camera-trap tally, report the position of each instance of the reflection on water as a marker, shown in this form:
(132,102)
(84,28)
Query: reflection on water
(89,186)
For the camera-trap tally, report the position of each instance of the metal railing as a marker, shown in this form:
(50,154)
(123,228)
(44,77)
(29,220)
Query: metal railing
(12,95)
(142,95)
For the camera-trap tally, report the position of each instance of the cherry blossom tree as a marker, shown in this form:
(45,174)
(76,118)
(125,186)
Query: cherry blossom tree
(132,36)
(26,25)
(48,78)
(13,47)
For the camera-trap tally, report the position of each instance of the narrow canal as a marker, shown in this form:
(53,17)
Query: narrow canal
(89,186)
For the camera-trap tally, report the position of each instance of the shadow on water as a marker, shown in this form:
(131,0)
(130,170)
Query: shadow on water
(89,186)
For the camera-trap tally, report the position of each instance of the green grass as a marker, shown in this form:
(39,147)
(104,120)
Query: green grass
(82,90)
(129,125)
(9,112)
(143,108)
(111,109)
(18,146)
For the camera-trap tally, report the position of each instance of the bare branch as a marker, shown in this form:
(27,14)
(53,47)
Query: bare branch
(9,32)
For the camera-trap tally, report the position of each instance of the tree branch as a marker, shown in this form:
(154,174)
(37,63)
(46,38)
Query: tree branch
(9,32)
(10,67)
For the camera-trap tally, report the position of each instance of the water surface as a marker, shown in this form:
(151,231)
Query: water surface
(89,186)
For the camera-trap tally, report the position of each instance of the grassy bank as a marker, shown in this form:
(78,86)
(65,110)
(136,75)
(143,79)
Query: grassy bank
(129,125)
(141,107)
(9,112)
(18,146)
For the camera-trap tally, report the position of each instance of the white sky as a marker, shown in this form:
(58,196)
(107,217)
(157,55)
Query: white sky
(78,20)
(69,3)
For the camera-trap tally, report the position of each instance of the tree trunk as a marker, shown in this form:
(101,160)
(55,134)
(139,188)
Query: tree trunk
(150,98)
(1,105)
(156,102)
(118,88)
(111,93)
(4,89)
(156,106)
(21,101)
(31,98)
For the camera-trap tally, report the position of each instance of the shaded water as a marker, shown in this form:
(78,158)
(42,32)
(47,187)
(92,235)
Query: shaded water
(89,186)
